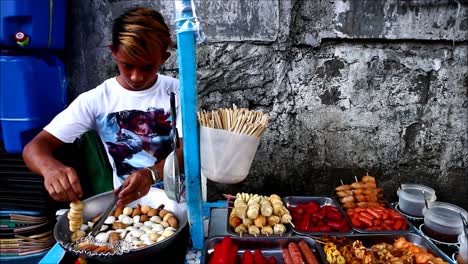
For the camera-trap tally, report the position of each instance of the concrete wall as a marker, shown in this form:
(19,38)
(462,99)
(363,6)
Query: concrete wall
(351,86)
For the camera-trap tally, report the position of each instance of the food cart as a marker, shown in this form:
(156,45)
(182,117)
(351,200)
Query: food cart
(203,247)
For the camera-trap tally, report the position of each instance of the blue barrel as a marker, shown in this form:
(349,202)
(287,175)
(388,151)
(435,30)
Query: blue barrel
(35,24)
(32,92)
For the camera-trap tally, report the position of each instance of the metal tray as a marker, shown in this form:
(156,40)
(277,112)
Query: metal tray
(396,232)
(231,231)
(370,239)
(296,200)
(270,246)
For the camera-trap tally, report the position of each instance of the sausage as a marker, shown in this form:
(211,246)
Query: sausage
(295,253)
(308,255)
(287,257)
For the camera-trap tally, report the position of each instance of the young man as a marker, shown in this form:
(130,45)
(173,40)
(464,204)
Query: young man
(130,112)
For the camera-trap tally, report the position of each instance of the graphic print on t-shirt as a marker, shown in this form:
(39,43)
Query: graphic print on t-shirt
(136,139)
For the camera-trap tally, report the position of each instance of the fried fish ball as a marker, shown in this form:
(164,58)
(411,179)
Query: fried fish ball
(241,229)
(240,210)
(279,229)
(267,230)
(278,209)
(266,208)
(255,200)
(253,212)
(273,220)
(286,219)
(238,202)
(274,197)
(234,221)
(247,221)
(253,230)
(260,221)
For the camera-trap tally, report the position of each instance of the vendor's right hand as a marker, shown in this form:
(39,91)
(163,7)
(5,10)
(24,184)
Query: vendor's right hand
(63,184)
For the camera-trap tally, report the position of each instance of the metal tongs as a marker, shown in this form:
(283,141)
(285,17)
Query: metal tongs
(97,227)
(171,173)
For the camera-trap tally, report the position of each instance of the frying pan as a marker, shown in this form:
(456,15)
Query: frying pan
(96,204)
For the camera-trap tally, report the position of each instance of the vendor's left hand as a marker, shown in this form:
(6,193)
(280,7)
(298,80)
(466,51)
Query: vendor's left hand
(134,187)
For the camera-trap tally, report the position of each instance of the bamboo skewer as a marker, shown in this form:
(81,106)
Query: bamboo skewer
(318,240)
(292,224)
(238,120)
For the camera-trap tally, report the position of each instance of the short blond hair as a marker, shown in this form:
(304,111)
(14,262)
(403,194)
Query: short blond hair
(140,32)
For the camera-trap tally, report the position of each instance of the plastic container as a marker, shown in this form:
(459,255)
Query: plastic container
(37,24)
(442,221)
(226,156)
(463,253)
(411,198)
(32,92)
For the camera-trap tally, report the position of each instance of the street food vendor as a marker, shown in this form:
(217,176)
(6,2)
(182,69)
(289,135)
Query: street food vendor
(129,112)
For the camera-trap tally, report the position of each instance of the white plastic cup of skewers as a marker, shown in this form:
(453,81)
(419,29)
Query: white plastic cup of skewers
(225,156)
(411,198)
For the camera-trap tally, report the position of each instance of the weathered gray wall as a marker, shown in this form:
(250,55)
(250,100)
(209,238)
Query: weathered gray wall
(351,86)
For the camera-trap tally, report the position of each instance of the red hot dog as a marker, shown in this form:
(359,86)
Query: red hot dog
(308,254)
(287,257)
(295,253)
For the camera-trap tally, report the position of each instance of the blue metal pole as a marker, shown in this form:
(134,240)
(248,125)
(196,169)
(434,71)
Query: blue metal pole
(188,87)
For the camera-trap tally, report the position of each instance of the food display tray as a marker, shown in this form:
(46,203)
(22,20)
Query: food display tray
(396,232)
(270,246)
(231,231)
(322,201)
(370,239)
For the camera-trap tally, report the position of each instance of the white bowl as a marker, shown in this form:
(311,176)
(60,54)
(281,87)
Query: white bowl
(411,198)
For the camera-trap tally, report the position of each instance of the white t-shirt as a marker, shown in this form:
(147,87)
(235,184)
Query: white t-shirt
(134,126)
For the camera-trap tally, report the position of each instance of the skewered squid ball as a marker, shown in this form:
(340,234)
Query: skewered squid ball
(279,229)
